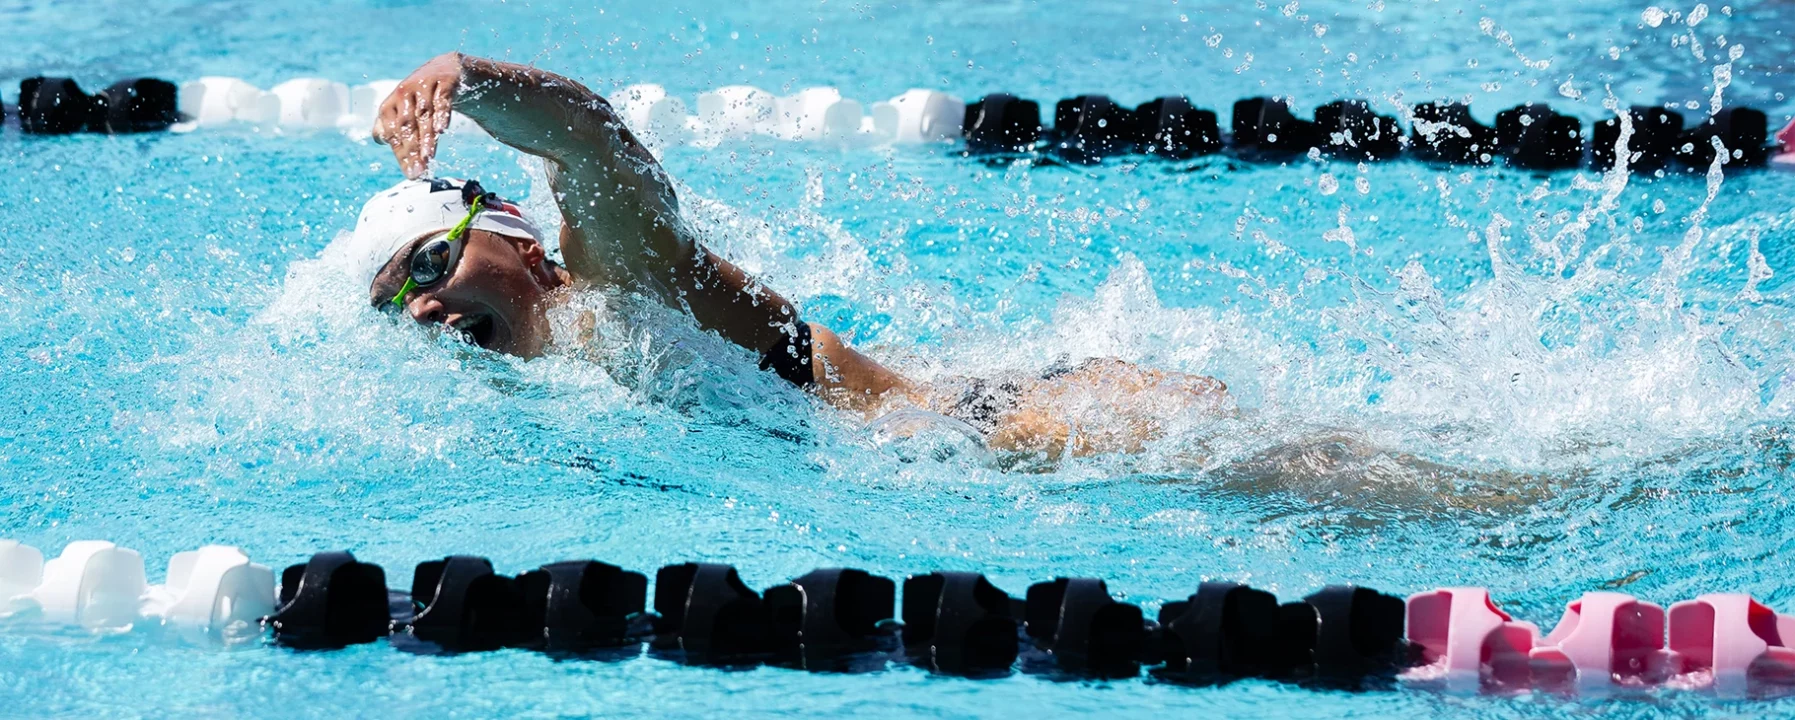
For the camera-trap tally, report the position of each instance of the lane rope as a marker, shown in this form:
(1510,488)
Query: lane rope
(848,620)
(1083,129)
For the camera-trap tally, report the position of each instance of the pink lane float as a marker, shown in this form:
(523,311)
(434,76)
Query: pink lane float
(1725,642)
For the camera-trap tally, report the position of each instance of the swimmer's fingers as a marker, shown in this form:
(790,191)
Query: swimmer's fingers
(445,103)
(382,121)
(417,111)
(390,119)
(424,124)
(435,103)
(406,149)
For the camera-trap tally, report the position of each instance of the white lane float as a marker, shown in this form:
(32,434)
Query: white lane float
(737,111)
(311,103)
(214,592)
(650,112)
(364,104)
(21,571)
(93,584)
(919,116)
(818,113)
(213,101)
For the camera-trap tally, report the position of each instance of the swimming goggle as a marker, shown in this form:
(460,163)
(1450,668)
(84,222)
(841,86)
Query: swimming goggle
(431,262)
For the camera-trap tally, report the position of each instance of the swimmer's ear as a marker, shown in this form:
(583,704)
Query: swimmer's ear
(534,256)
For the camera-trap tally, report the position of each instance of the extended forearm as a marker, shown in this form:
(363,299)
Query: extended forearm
(534,110)
(611,190)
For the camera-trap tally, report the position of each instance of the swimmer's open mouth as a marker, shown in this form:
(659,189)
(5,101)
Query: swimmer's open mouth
(476,329)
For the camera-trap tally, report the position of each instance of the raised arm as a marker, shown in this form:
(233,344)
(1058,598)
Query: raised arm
(620,217)
(621,222)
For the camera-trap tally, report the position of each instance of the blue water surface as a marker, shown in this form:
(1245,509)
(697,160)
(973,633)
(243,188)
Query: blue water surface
(1545,384)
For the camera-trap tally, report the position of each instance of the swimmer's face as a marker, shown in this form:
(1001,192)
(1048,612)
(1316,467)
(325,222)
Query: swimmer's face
(493,293)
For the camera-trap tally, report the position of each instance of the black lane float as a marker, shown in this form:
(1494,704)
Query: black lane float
(841,620)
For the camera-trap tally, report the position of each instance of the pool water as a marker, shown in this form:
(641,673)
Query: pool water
(1544,384)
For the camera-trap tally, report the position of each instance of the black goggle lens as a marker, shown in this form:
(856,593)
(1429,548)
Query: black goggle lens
(431,262)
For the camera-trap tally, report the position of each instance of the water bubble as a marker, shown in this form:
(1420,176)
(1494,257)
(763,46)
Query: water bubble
(1320,29)
(1342,234)
(1362,184)
(1697,15)
(1327,184)
(1757,268)
(1654,16)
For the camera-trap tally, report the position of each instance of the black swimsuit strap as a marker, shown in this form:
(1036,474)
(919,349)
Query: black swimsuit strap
(790,358)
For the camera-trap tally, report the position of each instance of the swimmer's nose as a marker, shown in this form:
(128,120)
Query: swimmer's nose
(426,309)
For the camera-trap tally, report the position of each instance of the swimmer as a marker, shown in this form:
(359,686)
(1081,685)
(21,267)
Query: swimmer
(449,253)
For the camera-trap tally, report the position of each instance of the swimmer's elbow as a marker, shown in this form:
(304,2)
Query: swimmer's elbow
(852,381)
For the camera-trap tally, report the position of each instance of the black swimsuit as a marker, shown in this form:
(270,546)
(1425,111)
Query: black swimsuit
(790,358)
(986,401)
(981,405)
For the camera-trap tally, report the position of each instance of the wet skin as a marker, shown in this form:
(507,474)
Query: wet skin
(621,228)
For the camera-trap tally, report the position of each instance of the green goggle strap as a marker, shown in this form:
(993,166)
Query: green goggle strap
(455,234)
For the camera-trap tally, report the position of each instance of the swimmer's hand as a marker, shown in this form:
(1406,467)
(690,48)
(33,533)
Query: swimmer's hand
(417,112)
(620,217)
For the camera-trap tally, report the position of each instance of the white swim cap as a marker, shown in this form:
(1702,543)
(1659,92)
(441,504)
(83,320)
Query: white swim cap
(415,208)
